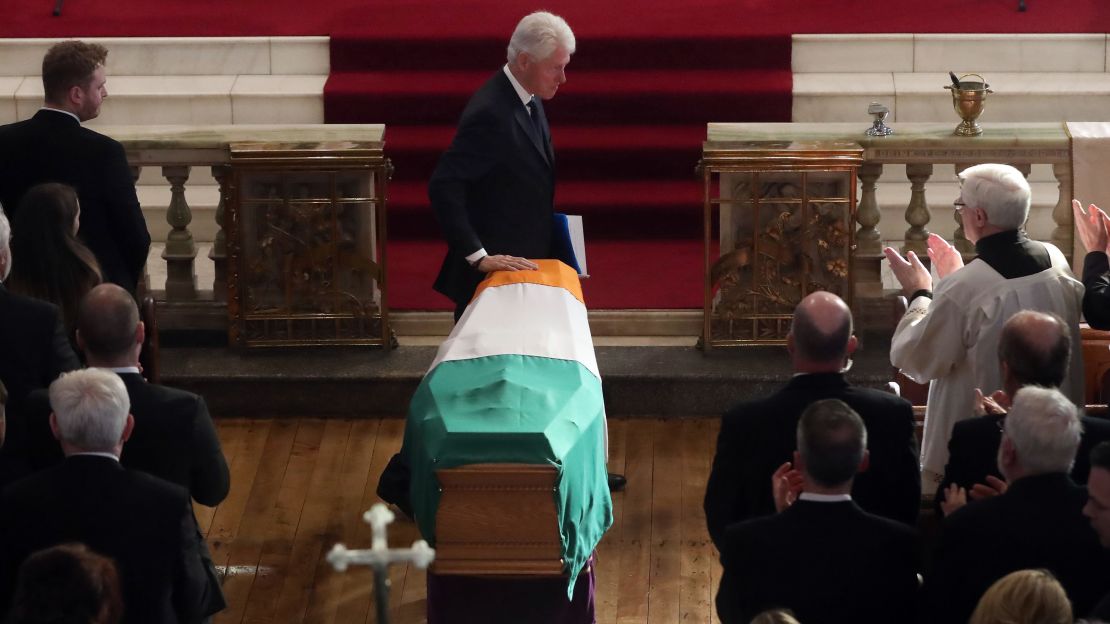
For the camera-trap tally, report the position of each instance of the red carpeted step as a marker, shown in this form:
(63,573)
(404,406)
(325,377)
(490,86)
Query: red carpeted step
(582,152)
(648,209)
(362,51)
(659,274)
(588,97)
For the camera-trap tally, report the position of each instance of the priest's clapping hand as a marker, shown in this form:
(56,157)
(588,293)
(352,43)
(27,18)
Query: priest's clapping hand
(911,274)
(1092,225)
(946,258)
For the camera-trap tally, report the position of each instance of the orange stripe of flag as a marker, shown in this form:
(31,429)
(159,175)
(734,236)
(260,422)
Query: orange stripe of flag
(551,273)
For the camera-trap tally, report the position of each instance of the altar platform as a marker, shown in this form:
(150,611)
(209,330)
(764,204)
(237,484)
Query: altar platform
(643,377)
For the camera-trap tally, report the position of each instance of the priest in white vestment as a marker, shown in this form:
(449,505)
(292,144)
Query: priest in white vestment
(949,335)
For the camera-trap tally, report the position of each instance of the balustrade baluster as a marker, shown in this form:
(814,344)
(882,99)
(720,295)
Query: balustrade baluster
(181,252)
(218,253)
(1063,233)
(917,212)
(868,238)
(959,239)
(144,279)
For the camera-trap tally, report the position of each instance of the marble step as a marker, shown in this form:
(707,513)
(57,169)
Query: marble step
(856,53)
(921,97)
(175,56)
(198,100)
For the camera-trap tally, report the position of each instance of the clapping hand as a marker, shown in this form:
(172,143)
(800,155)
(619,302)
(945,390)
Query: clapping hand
(946,258)
(786,485)
(911,274)
(997,403)
(1092,226)
(993,487)
(955,497)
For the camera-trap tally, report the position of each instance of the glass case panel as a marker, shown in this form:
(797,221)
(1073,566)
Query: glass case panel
(783,229)
(310,262)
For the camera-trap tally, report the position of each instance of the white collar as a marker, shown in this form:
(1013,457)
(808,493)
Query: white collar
(58,110)
(119,370)
(96,454)
(825,498)
(521,92)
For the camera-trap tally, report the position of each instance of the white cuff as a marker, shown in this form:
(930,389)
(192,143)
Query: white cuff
(476,257)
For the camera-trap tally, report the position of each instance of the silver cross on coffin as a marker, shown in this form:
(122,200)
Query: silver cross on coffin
(379,556)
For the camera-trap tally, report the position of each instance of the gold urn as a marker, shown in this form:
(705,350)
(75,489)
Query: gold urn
(969,100)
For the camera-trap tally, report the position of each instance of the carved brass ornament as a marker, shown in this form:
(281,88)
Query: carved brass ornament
(306,243)
(779,224)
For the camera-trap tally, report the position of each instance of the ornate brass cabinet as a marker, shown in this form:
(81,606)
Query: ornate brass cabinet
(306,244)
(779,223)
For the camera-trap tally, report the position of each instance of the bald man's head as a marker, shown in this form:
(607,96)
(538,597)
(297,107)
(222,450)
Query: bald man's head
(108,322)
(1036,348)
(822,328)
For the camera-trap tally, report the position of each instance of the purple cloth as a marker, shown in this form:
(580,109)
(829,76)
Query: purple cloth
(510,600)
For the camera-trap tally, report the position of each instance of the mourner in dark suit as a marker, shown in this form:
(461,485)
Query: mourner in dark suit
(1034,349)
(493,190)
(144,523)
(1097,510)
(1036,523)
(823,557)
(1092,226)
(758,436)
(174,436)
(52,146)
(36,350)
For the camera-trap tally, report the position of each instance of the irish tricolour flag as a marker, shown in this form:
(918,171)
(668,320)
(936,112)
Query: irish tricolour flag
(517,382)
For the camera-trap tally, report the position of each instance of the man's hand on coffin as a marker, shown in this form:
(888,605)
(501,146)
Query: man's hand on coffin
(489,264)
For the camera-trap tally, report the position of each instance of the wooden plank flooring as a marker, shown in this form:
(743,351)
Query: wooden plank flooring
(300,486)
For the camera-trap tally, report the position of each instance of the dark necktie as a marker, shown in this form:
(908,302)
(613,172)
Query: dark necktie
(537,125)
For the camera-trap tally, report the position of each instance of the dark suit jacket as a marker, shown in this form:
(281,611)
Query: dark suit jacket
(35,351)
(758,436)
(1096,297)
(827,562)
(494,187)
(1037,523)
(54,147)
(173,439)
(144,523)
(973,451)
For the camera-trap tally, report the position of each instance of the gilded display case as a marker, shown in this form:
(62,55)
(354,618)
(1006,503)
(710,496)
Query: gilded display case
(306,244)
(778,221)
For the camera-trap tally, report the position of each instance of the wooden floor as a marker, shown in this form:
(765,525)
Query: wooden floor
(300,486)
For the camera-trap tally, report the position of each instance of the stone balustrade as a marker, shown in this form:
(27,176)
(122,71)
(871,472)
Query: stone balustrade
(919,147)
(178,150)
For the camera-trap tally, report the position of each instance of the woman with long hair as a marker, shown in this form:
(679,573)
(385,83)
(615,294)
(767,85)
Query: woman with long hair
(49,262)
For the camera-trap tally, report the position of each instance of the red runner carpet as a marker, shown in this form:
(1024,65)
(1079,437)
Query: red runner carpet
(627,126)
(428,20)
